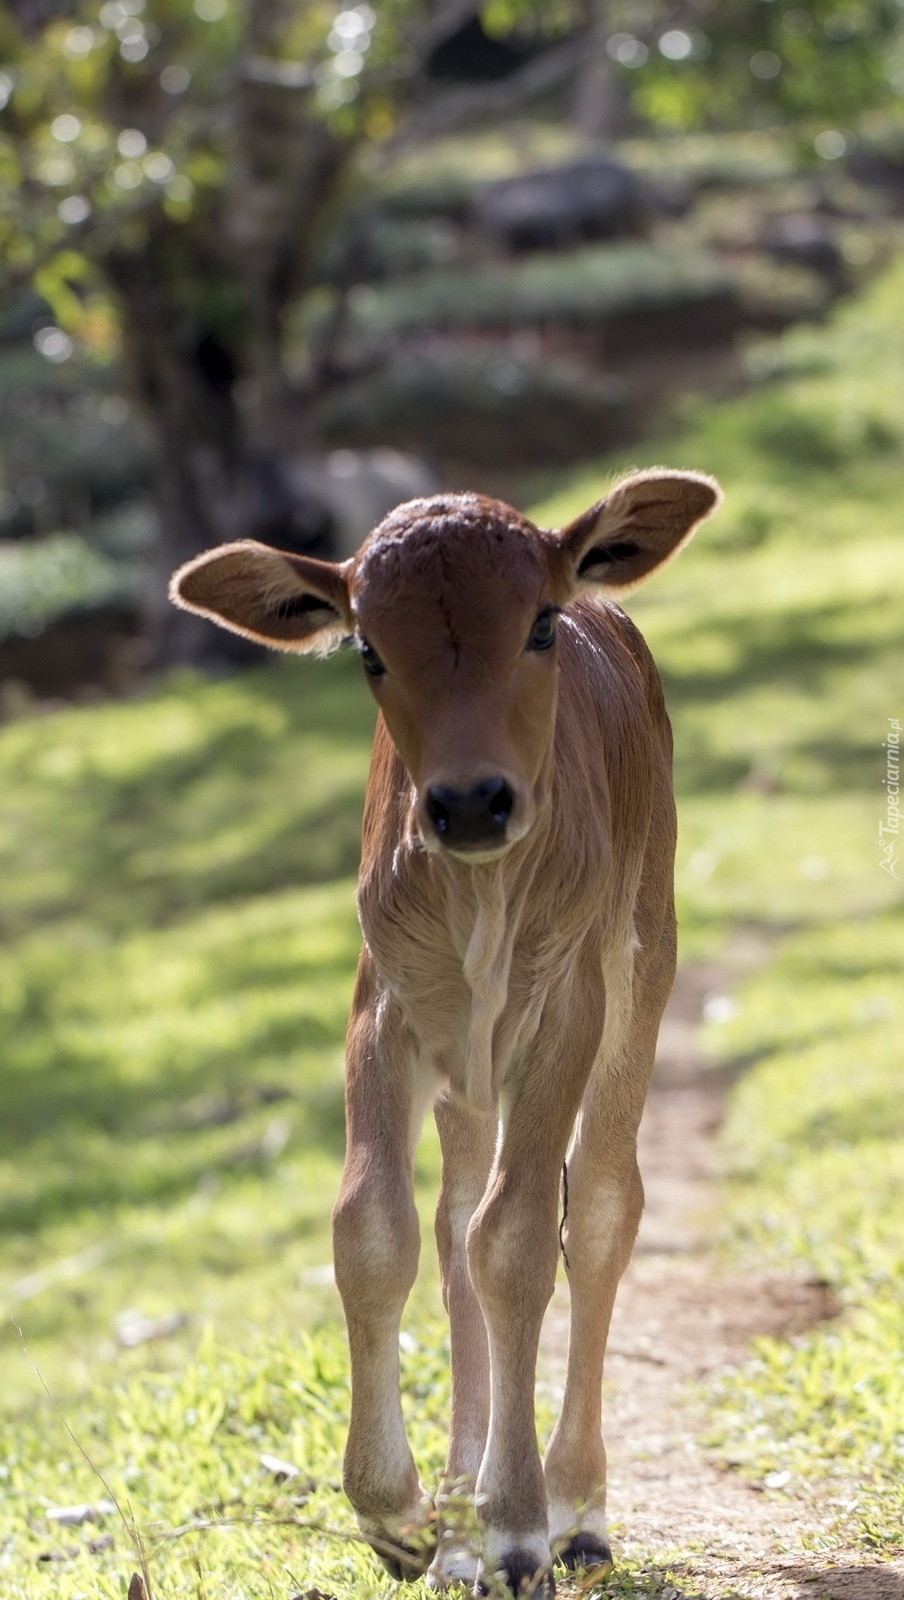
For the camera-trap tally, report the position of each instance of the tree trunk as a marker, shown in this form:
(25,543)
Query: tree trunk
(601,106)
(213,484)
(201,305)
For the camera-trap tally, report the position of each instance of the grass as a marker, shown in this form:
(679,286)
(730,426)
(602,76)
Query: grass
(817,1147)
(179,930)
(178,881)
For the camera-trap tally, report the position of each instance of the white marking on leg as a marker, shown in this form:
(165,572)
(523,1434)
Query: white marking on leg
(566,1520)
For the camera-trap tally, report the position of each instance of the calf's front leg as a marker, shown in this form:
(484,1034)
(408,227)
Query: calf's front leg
(513,1252)
(376,1242)
(605,1201)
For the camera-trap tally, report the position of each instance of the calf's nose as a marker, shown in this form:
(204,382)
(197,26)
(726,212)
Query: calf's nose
(471,819)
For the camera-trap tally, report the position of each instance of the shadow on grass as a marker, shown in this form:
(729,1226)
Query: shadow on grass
(264,789)
(869,1119)
(808,653)
(100,1138)
(136,1172)
(111,1028)
(759,647)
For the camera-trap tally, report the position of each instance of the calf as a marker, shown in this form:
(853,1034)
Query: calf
(519,946)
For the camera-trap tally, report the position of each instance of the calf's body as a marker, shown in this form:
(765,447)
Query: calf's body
(519,946)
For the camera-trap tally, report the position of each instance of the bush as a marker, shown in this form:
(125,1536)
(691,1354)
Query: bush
(43,580)
(586,287)
(481,407)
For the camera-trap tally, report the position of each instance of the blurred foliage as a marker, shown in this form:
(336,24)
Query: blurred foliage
(72,452)
(184,186)
(60,576)
(774,293)
(122,116)
(733,63)
(118,116)
(736,64)
(481,406)
(72,169)
(585,287)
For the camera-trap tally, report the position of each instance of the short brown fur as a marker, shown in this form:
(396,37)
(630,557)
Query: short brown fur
(519,946)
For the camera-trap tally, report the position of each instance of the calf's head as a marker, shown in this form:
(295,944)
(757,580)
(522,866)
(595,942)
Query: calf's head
(453,604)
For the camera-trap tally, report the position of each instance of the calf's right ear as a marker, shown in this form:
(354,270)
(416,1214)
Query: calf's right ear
(644,520)
(285,601)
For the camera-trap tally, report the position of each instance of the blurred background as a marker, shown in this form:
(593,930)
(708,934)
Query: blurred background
(266,269)
(270,267)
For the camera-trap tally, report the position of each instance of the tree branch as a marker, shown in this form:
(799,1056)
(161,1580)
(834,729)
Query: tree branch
(444,19)
(467,102)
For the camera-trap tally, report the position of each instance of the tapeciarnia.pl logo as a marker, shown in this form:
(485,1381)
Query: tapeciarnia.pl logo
(890,829)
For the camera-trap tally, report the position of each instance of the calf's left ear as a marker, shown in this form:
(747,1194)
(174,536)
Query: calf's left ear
(642,522)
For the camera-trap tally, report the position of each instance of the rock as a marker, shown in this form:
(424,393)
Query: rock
(133,1328)
(74,1516)
(806,240)
(358,487)
(561,207)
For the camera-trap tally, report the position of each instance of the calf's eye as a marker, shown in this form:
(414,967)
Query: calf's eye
(543,633)
(372,663)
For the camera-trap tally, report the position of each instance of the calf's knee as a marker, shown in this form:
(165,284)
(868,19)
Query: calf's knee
(376,1243)
(512,1254)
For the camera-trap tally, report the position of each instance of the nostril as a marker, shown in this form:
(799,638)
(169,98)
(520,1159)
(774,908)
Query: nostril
(438,812)
(470,819)
(501,802)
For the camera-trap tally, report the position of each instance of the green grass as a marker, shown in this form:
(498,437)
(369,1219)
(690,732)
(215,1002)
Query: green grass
(179,941)
(817,1146)
(178,884)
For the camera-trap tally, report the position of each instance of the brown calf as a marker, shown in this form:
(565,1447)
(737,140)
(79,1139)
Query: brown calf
(519,947)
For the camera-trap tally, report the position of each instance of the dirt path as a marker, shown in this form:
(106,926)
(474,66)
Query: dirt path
(677,1318)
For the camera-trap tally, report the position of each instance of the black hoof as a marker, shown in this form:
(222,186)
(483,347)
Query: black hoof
(520,1574)
(585,1551)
